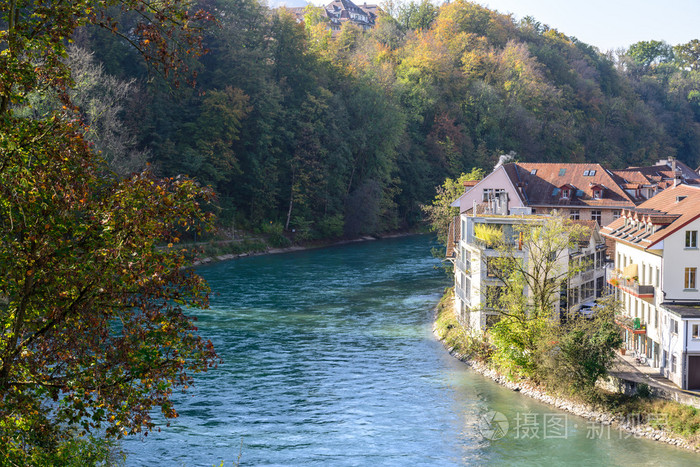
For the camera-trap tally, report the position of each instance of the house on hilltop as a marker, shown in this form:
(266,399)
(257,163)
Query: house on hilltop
(343,11)
(339,12)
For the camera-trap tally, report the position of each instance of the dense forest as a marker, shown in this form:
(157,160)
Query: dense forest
(349,134)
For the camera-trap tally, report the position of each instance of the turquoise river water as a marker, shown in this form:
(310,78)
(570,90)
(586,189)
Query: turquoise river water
(329,359)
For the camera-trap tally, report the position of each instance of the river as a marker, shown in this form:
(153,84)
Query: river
(329,359)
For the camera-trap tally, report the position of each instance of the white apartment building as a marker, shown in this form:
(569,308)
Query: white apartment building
(656,279)
(477,285)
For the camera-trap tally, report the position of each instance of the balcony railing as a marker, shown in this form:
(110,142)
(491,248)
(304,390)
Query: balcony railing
(461,265)
(634,325)
(629,284)
(461,293)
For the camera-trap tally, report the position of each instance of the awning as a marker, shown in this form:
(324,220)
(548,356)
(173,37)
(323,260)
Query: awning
(630,271)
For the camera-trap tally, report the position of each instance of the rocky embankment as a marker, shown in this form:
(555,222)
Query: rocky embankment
(626,424)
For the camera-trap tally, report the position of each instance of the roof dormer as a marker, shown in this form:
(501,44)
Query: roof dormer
(598,191)
(567,191)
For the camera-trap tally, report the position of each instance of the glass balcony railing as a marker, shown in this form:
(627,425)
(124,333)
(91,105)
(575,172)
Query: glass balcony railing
(461,293)
(461,265)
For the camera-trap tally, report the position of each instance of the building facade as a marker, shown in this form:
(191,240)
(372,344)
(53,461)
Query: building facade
(656,279)
(340,12)
(477,286)
(577,191)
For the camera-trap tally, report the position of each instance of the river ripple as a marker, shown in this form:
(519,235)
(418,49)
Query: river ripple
(330,360)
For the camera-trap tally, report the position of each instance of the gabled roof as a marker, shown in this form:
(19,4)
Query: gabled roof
(343,9)
(477,186)
(541,182)
(652,174)
(657,218)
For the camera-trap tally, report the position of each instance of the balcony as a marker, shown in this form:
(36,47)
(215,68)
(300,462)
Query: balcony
(633,325)
(629,284)
(462,294)
(461,265)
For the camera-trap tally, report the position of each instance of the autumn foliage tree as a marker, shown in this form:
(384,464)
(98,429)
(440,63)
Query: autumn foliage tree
(92,290)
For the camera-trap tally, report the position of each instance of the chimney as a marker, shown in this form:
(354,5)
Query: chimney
(673,171)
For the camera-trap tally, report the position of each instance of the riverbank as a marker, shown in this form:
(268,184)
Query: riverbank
(260,247)
(636,416)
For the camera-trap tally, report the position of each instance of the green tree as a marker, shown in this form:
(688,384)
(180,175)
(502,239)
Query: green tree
(416,16)
(577,354)
(93,333)
(687,55)
(649,53)
(532,264)
(441,213)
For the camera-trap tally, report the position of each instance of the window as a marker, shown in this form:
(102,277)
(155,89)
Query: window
(690,275)
(574,214)
(585,173)
(493,294)
(562,172)
(673,363)
(696,331)
(674,326)
(656,318)
(657,277)
(573,296)
(491,193)
(597,194)
(565,193)
(597,216)
(491,268)
(691,239)
(616,214)
(591,173)
(534,172)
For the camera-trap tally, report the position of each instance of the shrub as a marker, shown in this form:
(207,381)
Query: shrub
(275,235)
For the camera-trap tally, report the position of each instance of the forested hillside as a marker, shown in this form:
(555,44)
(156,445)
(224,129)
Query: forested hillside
(351,134)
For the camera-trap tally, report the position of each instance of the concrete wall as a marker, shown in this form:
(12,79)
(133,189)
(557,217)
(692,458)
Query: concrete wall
(676,257)
(630,387)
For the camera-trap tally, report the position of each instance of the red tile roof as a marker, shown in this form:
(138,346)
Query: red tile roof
(657,218)
(542,182)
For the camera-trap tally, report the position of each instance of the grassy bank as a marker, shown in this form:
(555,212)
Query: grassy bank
(448,329)
(223,248)
(670,419)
